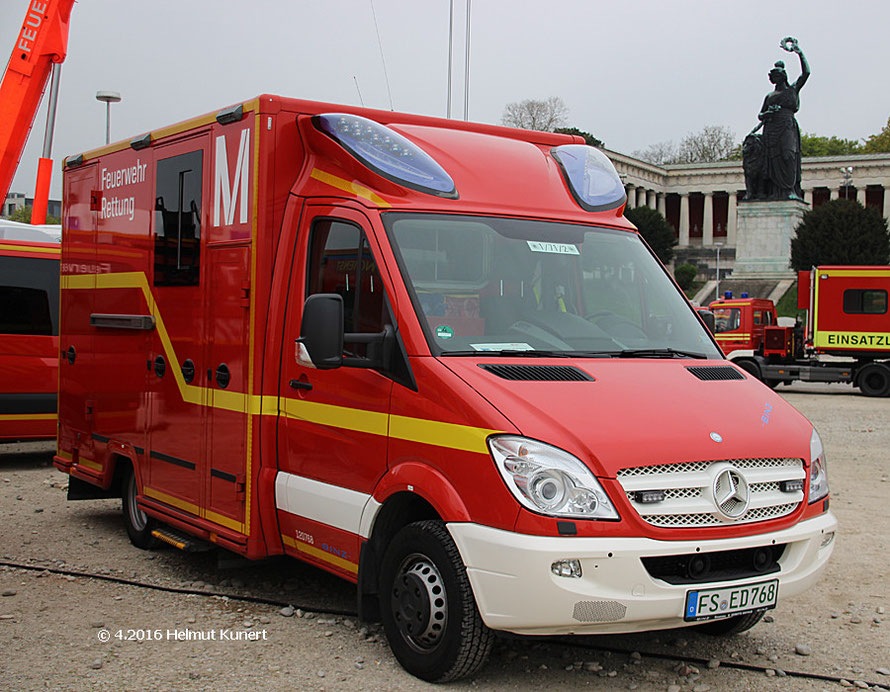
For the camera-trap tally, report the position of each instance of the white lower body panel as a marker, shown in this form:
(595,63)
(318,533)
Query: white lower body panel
(516,590)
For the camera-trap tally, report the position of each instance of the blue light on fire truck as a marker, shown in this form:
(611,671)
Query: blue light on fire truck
(591,177)
(388,153)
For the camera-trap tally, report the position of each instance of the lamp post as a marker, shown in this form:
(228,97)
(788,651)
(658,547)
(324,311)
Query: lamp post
(108,97)
(717,291)
(847,173)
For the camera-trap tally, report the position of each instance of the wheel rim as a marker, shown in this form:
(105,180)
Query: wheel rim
(419,603)
(138,518)
(875,381)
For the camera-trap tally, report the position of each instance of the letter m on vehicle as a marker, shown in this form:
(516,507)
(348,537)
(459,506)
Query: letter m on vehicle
(227,193)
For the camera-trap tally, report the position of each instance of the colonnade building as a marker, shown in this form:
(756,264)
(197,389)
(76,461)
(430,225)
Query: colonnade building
(700,200)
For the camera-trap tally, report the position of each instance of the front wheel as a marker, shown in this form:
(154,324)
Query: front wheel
(427,605)
(139,524)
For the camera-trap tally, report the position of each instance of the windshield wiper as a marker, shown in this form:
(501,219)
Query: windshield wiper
(514,353)
(657,353)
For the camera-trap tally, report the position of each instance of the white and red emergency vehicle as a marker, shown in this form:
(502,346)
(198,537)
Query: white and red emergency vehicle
(433,358)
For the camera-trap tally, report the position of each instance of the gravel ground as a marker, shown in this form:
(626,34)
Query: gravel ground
(51,626)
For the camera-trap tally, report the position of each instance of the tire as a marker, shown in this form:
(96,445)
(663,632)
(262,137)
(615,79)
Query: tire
(874,380)
(750,367)
(139,524)
(730,626)
(427,606)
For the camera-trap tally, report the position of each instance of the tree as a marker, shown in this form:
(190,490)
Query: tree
(840,232)
(588,138)
(712,143)
(532,114)
(814,145)
(23,215)
(655,229)
(659,153)
(879,143)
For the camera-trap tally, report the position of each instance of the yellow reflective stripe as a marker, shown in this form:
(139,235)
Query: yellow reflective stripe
(64,455)
(348,186)
(866,340)
(31,248)
(431,432)
(193,509)
(857,273)
(357,420)
(27,416)
(732,337)
(89,464)
(320,554)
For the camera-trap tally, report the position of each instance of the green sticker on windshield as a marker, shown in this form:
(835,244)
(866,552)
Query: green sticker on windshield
(444,332)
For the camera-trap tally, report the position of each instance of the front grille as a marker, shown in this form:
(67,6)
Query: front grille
(689,499)
(725,565)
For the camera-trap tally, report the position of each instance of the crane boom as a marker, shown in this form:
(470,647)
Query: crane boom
(42,41)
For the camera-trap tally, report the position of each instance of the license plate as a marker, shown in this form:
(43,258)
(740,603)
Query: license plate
(711,604)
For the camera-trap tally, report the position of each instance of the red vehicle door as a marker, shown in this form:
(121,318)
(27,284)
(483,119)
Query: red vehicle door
(78,278)
(178,368)
(334,424)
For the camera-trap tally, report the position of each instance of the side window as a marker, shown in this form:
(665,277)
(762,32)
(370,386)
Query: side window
(859,301)
(757,317)
(178,220)
(340,261)
(29,290)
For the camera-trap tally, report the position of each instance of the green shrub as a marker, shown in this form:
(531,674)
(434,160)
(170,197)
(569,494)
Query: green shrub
(685,275)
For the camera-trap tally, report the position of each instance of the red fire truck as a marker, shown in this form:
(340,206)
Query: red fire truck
(29,331)
(847,320)
(433,358)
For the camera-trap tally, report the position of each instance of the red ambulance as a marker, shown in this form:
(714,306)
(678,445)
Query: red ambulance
(29,330)
(433,358)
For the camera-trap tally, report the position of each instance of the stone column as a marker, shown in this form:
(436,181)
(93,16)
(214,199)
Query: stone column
(808,197)
(860,196)
(707,231)
(835,193)
(650,199)
(887,203)
(662,204)
(684,219)
(732,218)
(631,196)
(641,196)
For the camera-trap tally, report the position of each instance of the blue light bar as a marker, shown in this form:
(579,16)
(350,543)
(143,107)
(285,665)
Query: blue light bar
(591,177)
(388,153)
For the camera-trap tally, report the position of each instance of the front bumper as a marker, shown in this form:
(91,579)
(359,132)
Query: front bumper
(516,591)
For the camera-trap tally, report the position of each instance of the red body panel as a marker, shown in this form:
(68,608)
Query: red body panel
(850,311)
(28,360)
(740,322)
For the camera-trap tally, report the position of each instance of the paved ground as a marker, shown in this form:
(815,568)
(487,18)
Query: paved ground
(50,626)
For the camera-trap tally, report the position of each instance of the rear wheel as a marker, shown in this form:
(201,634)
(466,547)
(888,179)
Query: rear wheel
(750,367)
(733,625)
(139,524)
(874,380)
(427,605)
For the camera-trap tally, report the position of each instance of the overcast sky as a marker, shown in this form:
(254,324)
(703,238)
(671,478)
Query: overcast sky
(633,73)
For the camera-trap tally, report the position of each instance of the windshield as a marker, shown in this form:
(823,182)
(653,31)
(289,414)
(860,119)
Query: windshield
(515,286)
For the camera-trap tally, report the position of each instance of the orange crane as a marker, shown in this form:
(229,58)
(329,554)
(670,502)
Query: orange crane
(40,47)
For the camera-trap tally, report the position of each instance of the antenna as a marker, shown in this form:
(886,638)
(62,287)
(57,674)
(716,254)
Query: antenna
(360,99)
(382,57)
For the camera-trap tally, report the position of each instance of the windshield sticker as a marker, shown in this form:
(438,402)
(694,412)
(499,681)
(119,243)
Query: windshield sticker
(553,248)
(502,347)
(444,332)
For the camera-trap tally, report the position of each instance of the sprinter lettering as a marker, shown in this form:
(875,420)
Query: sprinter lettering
(226,194)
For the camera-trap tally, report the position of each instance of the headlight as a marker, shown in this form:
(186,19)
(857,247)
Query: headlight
(818,469)
(548,480)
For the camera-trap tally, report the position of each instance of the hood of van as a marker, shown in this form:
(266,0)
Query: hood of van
(639,412)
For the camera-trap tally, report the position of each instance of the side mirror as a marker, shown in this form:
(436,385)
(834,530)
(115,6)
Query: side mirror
(321,332)
(709,320)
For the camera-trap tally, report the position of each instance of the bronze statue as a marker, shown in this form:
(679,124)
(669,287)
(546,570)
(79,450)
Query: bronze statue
(772,160)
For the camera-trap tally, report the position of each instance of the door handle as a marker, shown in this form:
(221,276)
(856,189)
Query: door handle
(298,384)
